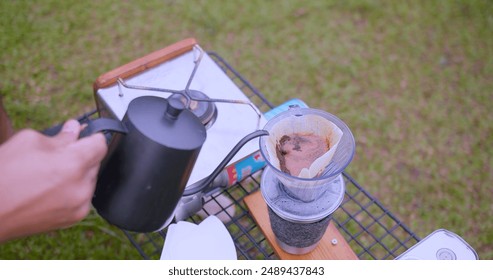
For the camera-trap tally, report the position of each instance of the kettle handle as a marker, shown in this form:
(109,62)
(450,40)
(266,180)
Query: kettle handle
(203,184)
(103,124)
(93,126)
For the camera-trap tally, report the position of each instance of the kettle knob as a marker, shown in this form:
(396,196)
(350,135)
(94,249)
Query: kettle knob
(175,107)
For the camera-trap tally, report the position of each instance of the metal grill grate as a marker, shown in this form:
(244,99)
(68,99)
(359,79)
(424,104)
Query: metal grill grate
(369,228)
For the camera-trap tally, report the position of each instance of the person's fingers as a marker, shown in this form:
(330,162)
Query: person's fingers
(90,150)
(90,181)
(69,133)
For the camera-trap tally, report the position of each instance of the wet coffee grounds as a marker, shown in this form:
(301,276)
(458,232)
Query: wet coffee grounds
(297,151)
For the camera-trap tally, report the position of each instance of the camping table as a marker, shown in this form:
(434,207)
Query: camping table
(362,228)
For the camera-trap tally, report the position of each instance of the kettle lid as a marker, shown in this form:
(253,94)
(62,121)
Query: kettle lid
(166,122)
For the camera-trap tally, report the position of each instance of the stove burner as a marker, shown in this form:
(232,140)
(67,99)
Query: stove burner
(200,105)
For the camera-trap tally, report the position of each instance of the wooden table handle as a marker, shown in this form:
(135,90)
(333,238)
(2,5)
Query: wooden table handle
(141,64)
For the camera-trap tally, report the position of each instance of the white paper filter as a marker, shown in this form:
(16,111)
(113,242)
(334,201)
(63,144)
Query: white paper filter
(209,240)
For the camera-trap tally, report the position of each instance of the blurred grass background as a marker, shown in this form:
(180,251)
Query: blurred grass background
(412,79)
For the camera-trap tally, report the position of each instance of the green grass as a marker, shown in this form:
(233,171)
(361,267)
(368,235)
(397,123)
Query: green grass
(413,80)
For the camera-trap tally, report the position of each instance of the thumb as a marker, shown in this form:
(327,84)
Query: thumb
(69,133)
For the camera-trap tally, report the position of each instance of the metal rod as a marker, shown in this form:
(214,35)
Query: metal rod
(232,101)
(196,66)
(120,81)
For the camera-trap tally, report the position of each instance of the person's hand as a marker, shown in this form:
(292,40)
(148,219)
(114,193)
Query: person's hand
(47,183)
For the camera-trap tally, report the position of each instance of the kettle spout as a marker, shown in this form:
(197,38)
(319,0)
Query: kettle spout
(201,185)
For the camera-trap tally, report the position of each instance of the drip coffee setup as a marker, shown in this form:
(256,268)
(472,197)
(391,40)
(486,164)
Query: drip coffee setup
(301,203)
(186,132)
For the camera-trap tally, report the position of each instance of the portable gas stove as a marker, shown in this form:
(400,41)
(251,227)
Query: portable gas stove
(190,75)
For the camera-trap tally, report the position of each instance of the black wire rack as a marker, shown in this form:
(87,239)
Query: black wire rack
(371,230)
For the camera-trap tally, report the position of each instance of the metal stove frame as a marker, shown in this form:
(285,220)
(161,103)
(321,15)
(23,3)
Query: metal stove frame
(371,230)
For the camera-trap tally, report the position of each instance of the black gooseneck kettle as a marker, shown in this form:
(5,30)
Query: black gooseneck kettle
(149,162)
